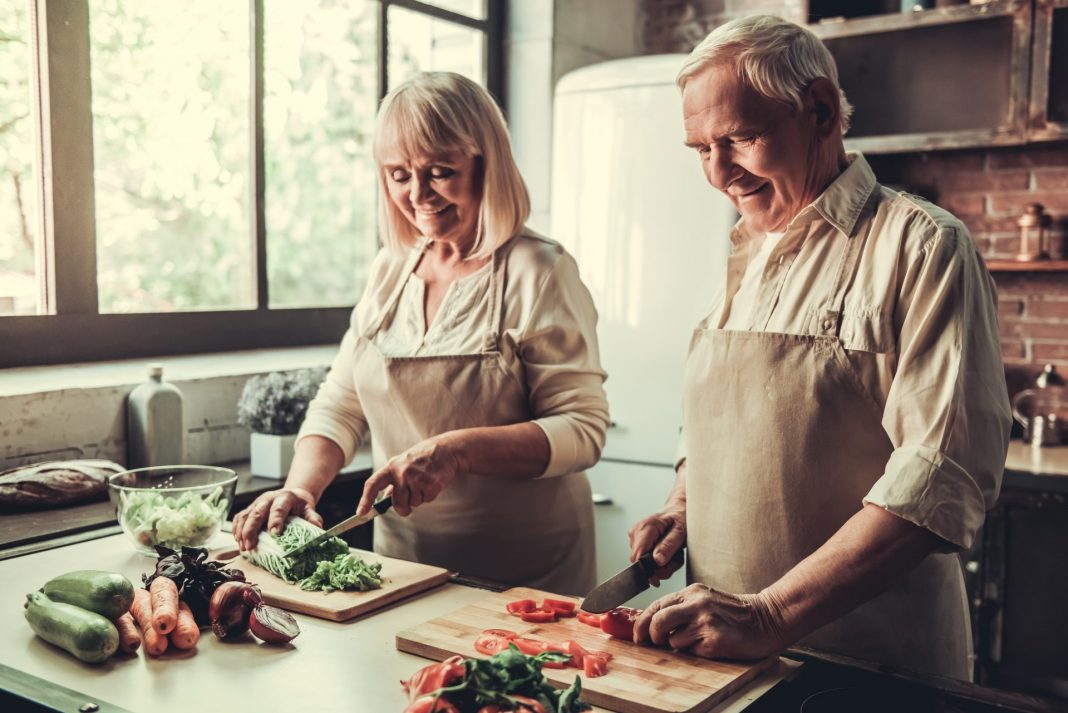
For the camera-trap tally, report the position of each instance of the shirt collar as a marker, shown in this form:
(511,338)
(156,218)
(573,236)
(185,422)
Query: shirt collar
(840,204)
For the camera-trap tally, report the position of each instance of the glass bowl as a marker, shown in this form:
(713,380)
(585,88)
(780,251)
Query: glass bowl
(172,505)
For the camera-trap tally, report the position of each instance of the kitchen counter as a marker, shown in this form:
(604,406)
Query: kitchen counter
(1032,468)
(343,667)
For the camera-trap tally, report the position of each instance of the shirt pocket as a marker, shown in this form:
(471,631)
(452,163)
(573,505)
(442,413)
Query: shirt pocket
(867,330)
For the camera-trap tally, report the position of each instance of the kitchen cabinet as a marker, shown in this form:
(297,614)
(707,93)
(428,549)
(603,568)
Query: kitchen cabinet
(624,493)
(967,75)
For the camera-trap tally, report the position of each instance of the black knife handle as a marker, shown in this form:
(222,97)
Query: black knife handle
(649,565)
(384,504)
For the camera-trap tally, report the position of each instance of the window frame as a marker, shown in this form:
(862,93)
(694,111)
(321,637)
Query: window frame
(73,330)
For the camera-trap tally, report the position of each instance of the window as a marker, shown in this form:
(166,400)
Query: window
(192,175)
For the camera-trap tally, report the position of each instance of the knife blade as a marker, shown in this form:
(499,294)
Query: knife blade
(625,585)
(345,525)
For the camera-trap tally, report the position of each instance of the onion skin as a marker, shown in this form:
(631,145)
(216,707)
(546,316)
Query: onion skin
(230,608)
(273,625)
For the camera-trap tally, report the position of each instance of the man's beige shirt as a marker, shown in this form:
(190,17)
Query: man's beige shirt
(920,328)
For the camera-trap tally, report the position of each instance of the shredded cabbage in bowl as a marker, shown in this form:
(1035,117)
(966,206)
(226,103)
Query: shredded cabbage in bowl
(190,519)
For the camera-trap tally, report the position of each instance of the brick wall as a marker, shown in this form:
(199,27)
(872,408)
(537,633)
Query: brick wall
(985,188)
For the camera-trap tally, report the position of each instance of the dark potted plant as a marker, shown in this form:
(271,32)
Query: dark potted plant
(273,406)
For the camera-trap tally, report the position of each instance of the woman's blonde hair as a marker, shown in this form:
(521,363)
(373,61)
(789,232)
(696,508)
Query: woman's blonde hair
(775,57)
(437,113)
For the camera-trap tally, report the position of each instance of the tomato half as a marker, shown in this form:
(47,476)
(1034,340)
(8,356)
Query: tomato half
(538,616)
(587,618)
(521,605)
(619,622)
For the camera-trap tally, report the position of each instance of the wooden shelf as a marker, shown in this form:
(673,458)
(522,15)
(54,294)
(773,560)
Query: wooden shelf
(1032,266)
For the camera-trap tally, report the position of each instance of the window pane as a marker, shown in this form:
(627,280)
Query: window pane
(320,82)
(471,8)
(19,204)
(171,151)
(420,43)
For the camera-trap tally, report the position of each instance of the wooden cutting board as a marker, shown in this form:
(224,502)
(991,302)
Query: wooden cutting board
(640,679)
(400,579)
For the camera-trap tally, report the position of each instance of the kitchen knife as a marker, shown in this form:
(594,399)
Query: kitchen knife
(345,525)
(625,585)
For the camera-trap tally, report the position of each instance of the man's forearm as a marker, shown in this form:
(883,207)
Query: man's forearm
(868,554)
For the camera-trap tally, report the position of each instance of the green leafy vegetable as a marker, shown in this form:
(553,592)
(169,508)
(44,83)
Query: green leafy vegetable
(324,566)
(188,520)
(345,571)
(502,677)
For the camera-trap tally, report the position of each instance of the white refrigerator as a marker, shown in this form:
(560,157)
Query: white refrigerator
(650,235)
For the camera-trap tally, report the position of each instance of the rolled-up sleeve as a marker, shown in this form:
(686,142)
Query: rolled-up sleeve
(947,411)
(562,368)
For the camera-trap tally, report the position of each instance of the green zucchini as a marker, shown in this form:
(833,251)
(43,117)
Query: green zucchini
(80,632)
(106,593)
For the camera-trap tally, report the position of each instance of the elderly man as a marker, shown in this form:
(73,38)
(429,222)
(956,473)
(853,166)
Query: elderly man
(845,410)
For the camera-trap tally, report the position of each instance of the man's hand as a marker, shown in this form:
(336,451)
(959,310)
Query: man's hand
(711,624)
(663,533)
(417,476)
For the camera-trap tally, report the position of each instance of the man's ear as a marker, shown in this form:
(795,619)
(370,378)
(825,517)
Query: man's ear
(821,101)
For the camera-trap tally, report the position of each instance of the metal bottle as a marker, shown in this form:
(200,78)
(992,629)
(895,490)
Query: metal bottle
(155,434)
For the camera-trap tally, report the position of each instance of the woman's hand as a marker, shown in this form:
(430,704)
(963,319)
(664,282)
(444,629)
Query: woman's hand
(712,624)
(664,533)
(417,476)
(274,507)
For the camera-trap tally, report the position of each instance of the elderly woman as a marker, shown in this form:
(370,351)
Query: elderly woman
(845,414)
(471,362)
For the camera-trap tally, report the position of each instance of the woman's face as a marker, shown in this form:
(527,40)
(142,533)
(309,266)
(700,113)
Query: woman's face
(439,195)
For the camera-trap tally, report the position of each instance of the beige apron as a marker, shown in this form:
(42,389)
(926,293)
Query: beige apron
(532,532)
(782,444)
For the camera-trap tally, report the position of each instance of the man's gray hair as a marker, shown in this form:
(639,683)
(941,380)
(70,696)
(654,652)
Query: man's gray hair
(775,57)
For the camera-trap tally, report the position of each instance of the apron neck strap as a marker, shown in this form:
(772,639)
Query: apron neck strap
(491,344)
(398,288)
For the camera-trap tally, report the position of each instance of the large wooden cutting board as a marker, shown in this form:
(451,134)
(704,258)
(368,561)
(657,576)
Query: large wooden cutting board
(400,579)
(640,679)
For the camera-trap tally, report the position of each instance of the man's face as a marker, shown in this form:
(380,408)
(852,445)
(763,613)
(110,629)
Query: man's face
(758,151)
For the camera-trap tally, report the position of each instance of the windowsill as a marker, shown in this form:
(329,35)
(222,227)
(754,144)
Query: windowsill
(41,379)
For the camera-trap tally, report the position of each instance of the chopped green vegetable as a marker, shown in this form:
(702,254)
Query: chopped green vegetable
(501,677)
(345,571)
(323,566)
(188,520)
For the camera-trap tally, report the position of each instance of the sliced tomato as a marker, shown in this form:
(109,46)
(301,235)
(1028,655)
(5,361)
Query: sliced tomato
(521,605)
(560,606)
(587,618)
(530,647)
(577,652)
(561,649)
(538,616)
(437,675)
(503,633)
(490,645)
(619,622)
(594,666)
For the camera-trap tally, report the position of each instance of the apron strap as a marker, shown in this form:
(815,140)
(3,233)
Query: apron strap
(394,297)
(491,344)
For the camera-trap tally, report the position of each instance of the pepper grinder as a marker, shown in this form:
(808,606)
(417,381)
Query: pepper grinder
(1032,226)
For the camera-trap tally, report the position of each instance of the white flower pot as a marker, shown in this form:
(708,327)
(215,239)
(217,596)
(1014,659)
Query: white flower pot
(271,456)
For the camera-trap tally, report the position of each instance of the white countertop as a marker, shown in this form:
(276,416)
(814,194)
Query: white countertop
(1048,460)
(352,666)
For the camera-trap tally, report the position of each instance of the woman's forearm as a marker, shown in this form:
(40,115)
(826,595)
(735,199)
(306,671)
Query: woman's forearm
(316,462)
(871,552)
(519,450)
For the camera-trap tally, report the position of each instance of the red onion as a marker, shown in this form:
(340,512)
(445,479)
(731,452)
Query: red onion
(230,608)
(273,625)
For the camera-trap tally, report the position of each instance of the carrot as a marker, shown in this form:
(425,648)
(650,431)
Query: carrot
(186,633)
(129,637)
(155,642)
(164,604)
